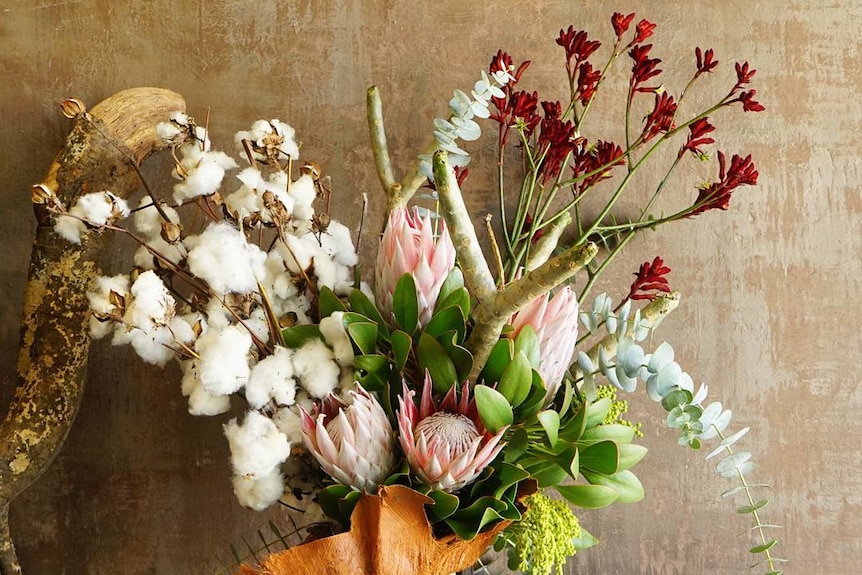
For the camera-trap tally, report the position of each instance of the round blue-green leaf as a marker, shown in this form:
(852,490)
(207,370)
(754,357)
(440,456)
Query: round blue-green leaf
(494,408)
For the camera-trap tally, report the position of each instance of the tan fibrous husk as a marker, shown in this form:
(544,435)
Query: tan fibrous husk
(389,535)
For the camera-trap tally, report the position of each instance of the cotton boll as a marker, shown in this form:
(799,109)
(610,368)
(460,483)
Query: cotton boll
(272,379)
(258,493)
(69,228)
(168,132)
(102,207)
(223,355)
(223,258)
(289,146)
(256,446)
(202,403)
(316,369)
(332,275)
(101,304)
(100,328)
(153,346)
(147,220)
(152,304)
(332,329)
(179,117)
(218,317)
(289,422)
(297,253)
(205,177)
(257,324)
(303,193)
(243,202)
(181,329)
(338,243)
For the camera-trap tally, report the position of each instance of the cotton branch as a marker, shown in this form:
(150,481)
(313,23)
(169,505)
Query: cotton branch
(54,337)
(495,306)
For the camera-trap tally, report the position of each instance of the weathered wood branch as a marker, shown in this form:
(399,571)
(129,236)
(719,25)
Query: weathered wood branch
(52,360)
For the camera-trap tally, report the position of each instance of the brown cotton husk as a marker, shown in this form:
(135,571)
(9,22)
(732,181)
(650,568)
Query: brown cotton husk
(389,535)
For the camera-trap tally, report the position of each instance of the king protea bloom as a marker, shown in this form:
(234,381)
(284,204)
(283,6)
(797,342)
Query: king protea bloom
(354,444)
(408,247)
(446,446)
(555,321)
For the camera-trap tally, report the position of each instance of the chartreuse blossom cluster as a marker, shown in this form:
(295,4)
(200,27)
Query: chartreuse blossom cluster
(542,541)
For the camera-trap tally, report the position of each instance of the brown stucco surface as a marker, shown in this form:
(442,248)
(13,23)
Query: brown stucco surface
(767,317)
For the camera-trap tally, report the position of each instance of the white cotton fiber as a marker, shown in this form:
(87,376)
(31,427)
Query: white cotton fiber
(258,493)
(303,193)
(152,305)
(147,220)
(289,422)
(223,258)
(315,368)
(100,302)
(223,367)
(256,446)
(332,329)
(272,379)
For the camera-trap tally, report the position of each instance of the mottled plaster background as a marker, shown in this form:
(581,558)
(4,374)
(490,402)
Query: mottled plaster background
(767,320)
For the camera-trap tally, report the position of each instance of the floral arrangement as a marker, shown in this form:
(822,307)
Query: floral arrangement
(461,387)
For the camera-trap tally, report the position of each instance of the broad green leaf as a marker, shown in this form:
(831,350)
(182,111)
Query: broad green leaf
(494,408)
(528,343)
(448,319)
(298,335)
(568,395)
(630,455)
(328,303)
(584,541)
(597,412)
(517,379)
(360,303)
(602,457)
(517,446)
(459,355)
(404,304)
(467,522)
(535,399)
(460,298)
(588,496)
(445,504)
(625,482)
(401,344)
(364,335)
(615,432)
(454,281)
(573,429)
(509,475)
(501,355)
(328,500)
(371,363)
(433,357)
(550,421)
(546,473)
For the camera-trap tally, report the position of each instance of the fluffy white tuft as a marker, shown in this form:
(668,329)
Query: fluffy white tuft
(258,493)
(147,220)
(256,446)
(315,368)
(272,379)
(332,329)
(289,422)
(101,305)
(224,359)
(223,258)
(201,172)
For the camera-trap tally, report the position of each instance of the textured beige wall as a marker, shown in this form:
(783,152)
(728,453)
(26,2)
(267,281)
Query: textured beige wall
(767,319)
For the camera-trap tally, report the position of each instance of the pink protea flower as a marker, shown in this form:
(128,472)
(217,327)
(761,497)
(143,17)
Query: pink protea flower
(555,321)
(354,444)
(446,446)
(408,246)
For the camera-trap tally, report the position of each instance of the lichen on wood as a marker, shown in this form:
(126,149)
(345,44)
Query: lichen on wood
(101,153)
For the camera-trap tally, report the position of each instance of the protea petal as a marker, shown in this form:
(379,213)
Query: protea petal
(554,319)
(447,447)
(409,246)
(355,446)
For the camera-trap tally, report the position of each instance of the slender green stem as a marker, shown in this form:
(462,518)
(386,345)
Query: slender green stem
(606,262)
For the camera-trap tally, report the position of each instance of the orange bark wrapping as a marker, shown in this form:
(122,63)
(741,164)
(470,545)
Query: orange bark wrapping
(389,535)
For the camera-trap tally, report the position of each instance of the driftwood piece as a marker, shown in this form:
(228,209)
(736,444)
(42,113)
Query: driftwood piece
(389,535)
(98,155)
